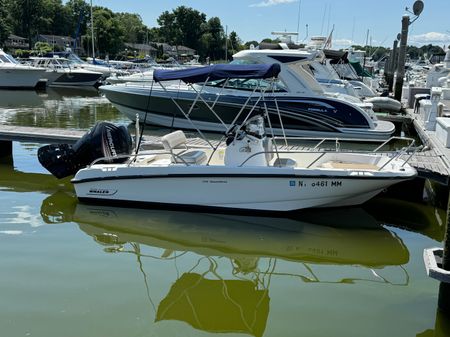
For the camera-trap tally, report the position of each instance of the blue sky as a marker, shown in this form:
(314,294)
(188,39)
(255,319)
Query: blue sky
(256,19)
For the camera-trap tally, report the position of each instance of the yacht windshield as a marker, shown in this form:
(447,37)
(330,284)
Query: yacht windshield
(75,59)
(250,84)
(11,59)
(5,58)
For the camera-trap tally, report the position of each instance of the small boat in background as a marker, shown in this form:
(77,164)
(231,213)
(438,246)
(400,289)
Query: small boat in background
(65,74)
(14,75)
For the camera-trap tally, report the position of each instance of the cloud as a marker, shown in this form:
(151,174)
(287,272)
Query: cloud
(430,38)
(268,3)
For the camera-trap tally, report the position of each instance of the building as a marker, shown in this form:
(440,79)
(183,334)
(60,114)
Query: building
(176,51)
(145,49)
(16,42)
(61,42)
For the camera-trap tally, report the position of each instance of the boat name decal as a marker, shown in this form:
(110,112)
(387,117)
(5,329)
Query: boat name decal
(215,181)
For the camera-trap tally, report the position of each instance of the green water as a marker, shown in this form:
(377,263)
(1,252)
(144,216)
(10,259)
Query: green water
(70,269)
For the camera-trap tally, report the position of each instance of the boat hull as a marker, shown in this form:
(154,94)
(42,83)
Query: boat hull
(282,192)
(20,78)
(77,79)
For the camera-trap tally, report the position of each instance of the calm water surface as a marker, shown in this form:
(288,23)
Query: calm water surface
(70,269)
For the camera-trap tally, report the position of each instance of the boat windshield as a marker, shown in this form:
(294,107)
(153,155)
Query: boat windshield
(75,59)
(249,84)
(6,58)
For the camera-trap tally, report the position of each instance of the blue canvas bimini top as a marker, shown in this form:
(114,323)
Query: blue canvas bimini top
(218,72)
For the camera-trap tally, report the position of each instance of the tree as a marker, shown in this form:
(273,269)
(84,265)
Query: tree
(78,12)
(134,30)
(214,40)
(5,27)
(249,43)
(108,33)
(234,44)
(26,16)
(184,26)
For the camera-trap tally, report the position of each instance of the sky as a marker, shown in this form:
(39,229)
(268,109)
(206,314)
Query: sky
(352,19)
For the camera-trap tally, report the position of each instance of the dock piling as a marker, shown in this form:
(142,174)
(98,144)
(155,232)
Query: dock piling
(402,58)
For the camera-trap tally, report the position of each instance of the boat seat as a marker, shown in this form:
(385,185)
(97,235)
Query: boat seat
(349,165)
(178,139)
(284,162)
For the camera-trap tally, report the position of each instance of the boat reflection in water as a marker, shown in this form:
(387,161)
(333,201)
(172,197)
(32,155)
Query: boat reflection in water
(232,258)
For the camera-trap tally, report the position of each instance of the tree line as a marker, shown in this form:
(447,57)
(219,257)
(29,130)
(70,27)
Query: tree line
(182,26)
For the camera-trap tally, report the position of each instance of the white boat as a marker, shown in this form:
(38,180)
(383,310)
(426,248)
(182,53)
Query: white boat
(64,74)
(306,109)
(14,75)
(250,172)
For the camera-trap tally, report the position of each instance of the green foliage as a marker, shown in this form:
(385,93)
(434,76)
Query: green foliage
(249,43)
(5,26)
(181,26)
(41,48)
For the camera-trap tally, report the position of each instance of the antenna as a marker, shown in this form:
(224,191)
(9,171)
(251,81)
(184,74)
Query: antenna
(353,29)
(298,20)
(323,18)
(307,32)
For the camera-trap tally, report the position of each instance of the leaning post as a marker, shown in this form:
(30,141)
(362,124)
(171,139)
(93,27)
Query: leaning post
(401,58)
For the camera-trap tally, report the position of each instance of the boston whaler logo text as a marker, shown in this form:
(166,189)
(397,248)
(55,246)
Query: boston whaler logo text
(101,191)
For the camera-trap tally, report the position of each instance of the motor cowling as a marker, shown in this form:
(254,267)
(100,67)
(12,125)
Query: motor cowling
(104,140)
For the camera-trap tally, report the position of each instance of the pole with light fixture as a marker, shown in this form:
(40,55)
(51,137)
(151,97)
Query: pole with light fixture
(406,22)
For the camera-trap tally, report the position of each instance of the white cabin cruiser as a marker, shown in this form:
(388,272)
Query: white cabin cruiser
(306,109)
(246,170)
(14,75)
(64,74)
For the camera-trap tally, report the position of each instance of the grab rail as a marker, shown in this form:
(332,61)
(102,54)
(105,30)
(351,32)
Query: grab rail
(321,154)
(336,139)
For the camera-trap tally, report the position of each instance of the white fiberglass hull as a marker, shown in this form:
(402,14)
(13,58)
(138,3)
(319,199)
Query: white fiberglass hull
(19,77)
(270,189)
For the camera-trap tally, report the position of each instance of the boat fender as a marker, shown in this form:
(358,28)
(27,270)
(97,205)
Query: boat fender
(386,104)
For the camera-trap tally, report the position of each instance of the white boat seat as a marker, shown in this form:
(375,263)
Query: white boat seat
(195,157)
(284,162)
(177,139)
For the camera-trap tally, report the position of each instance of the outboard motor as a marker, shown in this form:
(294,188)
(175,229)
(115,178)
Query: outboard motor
(104,140)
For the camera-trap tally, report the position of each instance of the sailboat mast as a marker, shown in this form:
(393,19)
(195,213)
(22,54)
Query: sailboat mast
(92,34)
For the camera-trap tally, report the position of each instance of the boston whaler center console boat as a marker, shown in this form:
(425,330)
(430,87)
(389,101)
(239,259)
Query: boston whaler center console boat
(245,170)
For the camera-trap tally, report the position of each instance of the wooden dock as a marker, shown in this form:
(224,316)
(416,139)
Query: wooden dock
(433,163)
